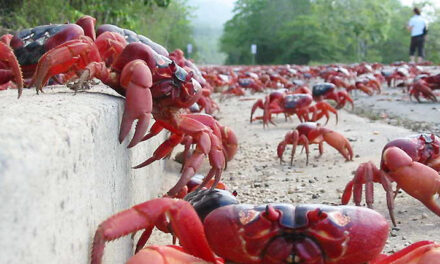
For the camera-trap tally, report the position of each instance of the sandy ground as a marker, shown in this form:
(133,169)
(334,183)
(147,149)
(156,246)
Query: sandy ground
(259,178)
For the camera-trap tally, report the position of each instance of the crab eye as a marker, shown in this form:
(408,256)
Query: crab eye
(271,213)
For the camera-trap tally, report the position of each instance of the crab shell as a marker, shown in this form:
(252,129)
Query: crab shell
(283,233)
(421,148)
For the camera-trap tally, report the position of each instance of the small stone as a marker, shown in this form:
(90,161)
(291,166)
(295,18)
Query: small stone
(311,181)
(393,234)
(356,156)
(315,196)
(424,216)
(371,140)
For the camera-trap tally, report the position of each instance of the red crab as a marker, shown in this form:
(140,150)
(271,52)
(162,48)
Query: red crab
(300,104)
(424,85)
(328,91)
(412,162)
(367,84)
(313,133)
(19,54)
(275,233)
(152,85)
(422,252)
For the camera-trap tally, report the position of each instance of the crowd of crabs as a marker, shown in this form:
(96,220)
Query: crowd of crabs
(209,222)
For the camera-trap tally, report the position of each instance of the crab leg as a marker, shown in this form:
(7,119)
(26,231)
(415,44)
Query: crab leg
(205,134)
(163,150)
(259,104)
(155,129)
(13,71)
(185,223)
(367,173)
(420,87)
(325,109)
(70,56)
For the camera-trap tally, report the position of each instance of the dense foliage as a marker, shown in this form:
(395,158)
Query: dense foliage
(322,31)
(164,21)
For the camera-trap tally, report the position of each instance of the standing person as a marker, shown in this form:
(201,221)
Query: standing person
(418,27)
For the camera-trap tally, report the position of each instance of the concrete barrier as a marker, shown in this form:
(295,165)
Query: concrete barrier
(63,171)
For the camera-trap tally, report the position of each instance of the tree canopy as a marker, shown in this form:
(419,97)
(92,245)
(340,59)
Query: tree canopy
(322,31)
(164,21)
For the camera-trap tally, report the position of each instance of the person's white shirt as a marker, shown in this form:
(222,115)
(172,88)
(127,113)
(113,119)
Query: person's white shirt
(417,24)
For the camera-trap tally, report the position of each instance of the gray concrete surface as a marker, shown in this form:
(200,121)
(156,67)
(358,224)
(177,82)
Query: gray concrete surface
(62,172)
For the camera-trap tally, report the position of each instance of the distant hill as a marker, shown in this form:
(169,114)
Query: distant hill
(208,20)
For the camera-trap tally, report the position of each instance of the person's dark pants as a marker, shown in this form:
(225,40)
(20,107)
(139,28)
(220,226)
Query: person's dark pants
(417,42)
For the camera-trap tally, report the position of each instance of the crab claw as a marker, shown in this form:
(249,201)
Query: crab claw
(185,223)
(166,254)
(12,69)
(229,142)
(67,57)
(338,141)
(343,97)
(137,79)
(417,179)
(422,252)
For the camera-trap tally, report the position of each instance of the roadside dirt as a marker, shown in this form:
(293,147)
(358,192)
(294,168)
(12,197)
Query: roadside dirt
(259,178)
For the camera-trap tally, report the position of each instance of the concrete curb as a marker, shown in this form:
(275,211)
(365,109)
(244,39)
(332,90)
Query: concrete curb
(63,171)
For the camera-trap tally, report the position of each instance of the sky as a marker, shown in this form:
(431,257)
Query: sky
(212,12)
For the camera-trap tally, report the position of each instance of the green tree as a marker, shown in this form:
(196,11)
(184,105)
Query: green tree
(301,31)
(164,21)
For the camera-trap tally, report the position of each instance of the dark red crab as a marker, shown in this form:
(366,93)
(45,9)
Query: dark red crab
(412,162)
(275,233)
(313,133)
(153,85)
(423,85)
(290,104)
(20,53)
(328,91)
